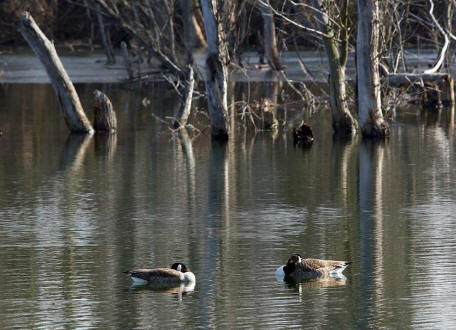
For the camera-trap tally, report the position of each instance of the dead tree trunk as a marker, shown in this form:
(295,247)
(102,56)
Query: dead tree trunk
(216,79)
(127,60)
(343,121)
(186,105)
(189,41)
(369,102)
(104,117)
(269,35)
(70,105)
(111,58)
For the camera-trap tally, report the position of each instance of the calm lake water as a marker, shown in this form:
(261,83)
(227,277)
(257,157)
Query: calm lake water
(77,211)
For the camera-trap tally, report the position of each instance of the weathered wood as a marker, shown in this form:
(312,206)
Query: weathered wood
(127,59)
(70,105)
(269,36)
(407,79)
(437,88)
(216,77)
(342,120)
(104,117)
(189,41)
(186,105)
(367,68)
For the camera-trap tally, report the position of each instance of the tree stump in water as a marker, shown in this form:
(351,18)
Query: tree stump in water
(303,135)
(104,115)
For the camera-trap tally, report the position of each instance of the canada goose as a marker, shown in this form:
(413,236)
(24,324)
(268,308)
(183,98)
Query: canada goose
(302,269)
(178,273)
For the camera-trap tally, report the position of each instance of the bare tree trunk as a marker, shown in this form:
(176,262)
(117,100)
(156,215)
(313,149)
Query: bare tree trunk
(104,117)
(104,37)
(270,40)
(216,79)
(186,105)
(343,121)
(89,16)
(127,59)
(70,105)
(369,102)
(189,41)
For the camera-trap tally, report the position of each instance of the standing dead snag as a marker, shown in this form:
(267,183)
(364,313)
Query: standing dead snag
(270,40)
(105,37)
(368,76)
(189,41)
(216,77)
(337,53)
(127,60)
(70,105)
(104,117)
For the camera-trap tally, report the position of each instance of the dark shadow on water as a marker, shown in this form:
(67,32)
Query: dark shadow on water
(105,144)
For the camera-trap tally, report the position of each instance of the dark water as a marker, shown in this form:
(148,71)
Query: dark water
(75,212)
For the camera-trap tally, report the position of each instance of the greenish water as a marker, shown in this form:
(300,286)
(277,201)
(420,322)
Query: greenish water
(75,212)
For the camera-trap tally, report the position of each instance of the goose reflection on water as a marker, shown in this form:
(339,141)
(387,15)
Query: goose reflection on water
(178,290)
(170,289)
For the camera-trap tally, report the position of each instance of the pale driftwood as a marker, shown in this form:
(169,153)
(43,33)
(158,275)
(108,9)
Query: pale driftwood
(186,105)
(367,68)
(70,105)
(216,77)
(104,117)
(439,63)
(111,58)
(127,60)
(342,120)
(269,35)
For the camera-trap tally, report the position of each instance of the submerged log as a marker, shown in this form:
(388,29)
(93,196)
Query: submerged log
(104,115)
(70,105)
(438,88)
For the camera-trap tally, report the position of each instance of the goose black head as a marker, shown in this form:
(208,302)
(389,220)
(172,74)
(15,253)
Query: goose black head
(180,267)
(291,264)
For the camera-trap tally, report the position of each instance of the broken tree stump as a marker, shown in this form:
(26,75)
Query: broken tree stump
(70,105)
(104,117)
(303,135)
(436,88)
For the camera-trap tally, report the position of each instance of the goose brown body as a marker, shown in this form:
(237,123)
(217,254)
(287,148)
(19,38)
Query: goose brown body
(158,275)
(178,273)
(299,268)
